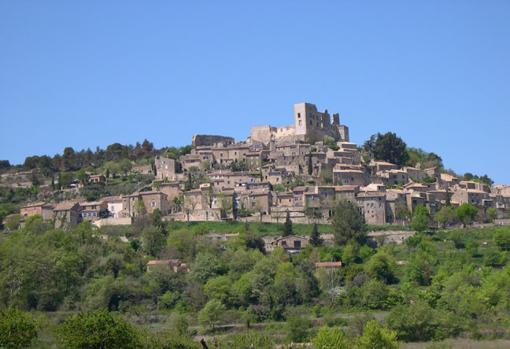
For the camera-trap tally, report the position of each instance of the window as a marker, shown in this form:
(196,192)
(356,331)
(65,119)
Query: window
(153,203)
(299,115)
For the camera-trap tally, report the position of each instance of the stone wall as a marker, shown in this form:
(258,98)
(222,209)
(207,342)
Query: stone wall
(210,140)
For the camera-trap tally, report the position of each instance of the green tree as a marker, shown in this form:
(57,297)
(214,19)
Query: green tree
(445,216)
(315,237)
(297,329)
(17,329)
(287,226)
(492,214)
(421,268)
(98,329)
(387,147)
(211,314)
(348,223)
(153,240)
(382,267)
(331,338)
(466,213)
(502,238)
(376,336)
(218,288)
(421,218)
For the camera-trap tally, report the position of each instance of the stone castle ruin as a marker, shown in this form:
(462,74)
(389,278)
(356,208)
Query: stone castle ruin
(310,125)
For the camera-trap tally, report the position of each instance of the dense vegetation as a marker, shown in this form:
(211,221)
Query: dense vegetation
(435,286)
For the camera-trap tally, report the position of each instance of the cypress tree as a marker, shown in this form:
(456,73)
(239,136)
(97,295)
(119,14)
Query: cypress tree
(287,226)
(315,238)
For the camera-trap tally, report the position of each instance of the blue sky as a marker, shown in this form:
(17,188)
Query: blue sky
(91,73)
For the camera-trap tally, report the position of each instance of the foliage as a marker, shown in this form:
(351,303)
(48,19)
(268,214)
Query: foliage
(98,329)
(424,159)
(382,267)
(315,237)
(297,329)
(17,329)
(466,213)
(211,314)
(331,338)
(502,239)
(445,216)
(154,240)
(376,336)
(492,214)
(387,147)
(287,226)
(420,220)
(349,223)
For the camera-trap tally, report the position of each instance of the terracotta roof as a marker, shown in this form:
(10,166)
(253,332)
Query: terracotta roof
(346,188)
(64,206)
(328,264)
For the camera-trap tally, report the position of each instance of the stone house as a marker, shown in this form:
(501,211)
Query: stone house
(380,166)
(142,169)
(349,177)
(171,189)
(165,168)
(475,197)
(37,208)
(67,214)
(174,265)
(96,178)
(414,173)
(114,206)
(284,199)
(233,179)
(394,177)
(225,155)
(346,193)
(373,207)
(471,185)
(150,200)
(291,243)
(93,210)
(396,200)
(190,161)
(415,198)
(258,201)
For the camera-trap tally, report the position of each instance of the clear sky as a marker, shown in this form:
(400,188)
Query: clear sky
(91,73)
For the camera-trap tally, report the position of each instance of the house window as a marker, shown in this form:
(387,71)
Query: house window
(153,203)
(299,115)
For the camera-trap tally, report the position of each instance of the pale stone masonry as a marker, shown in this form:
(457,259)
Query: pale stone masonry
(302,170)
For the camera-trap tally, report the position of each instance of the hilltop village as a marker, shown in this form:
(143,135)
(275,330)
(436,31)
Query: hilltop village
(299,171)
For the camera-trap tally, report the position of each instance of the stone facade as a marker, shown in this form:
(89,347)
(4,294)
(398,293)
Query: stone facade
(165,168)
(309,125)
(38,208)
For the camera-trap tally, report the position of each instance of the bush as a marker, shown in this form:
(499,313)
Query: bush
(331,338)
(17,329)
(98,329)
(502,239)
(376,336)
(297,329)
